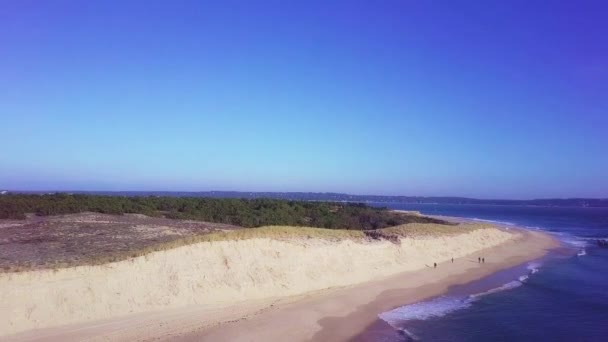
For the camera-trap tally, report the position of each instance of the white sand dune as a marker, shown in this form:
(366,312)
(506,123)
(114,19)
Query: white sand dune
(222,272)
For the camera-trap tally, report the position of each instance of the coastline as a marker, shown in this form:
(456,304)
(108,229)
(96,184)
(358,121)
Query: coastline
(345,314)
(337,313)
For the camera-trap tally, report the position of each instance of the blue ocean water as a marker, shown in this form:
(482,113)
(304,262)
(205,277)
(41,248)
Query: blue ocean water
(562,297)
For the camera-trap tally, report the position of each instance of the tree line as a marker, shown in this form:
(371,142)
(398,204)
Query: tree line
(239,212)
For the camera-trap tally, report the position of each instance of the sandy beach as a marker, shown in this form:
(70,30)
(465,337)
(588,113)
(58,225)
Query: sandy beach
(327,298)
(342,314)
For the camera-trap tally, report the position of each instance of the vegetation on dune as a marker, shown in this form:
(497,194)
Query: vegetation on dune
(240,212)
(284,232)
(390,233)
(66,241)
(287,233)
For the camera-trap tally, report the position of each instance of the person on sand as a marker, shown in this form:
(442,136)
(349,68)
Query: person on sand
(479,260)
(483,260)
(435,265)
(452,260)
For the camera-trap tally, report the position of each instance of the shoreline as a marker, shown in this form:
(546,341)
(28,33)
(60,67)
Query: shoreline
(345,315)
(337,313)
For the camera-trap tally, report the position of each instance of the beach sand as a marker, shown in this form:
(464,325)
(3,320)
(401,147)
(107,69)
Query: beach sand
(318,301)
(343,314)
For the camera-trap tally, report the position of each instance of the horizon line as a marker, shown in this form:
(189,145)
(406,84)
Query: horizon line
(298,192)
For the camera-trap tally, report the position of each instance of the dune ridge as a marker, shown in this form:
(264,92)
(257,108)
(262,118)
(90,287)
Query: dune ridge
(220,272)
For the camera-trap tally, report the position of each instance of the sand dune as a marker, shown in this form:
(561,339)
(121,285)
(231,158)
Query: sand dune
(218,273)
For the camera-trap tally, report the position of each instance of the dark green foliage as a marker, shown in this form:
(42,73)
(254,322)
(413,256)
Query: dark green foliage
(240,212)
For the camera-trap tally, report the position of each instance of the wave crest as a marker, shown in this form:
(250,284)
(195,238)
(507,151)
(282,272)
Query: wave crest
(437,307)
(441,306)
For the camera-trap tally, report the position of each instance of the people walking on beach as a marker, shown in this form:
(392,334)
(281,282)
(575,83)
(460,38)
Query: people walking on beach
(435,265)
(479,260)
(483,260)
(452,260)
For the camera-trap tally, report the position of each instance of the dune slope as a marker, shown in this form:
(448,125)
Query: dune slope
(219,272)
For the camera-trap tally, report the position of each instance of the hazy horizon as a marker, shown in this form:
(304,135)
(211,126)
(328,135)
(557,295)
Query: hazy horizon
(468,99)
(291,192)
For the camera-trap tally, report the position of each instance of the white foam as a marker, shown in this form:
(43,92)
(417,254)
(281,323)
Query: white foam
(533,267)
(591,241)
(593,238)
(582,252)
(437,307)
(572,240)
(508,286)
(409,334)
(575,243)
(441,306)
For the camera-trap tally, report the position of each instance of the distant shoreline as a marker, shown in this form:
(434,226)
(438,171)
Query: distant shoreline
(581,202)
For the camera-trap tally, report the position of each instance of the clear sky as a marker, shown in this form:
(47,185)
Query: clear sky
(487,99)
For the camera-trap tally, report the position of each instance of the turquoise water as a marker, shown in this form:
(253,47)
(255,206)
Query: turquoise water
(562,297)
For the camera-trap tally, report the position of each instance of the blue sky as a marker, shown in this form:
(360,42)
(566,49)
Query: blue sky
(474,98)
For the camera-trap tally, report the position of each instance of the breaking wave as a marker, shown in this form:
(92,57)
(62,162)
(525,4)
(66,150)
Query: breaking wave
(437,307)
(441,306)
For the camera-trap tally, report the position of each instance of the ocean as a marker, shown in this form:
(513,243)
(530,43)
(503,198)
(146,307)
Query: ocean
(561,297)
